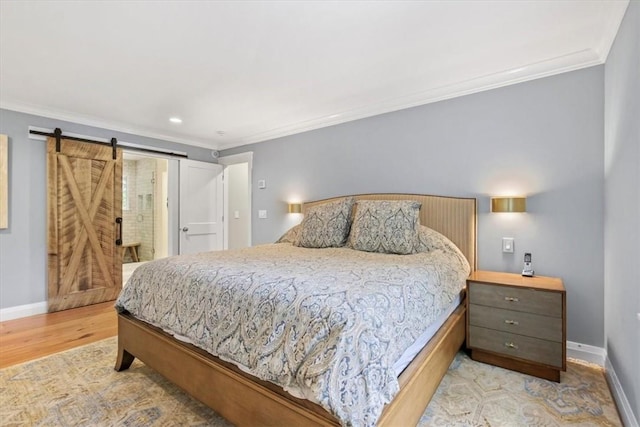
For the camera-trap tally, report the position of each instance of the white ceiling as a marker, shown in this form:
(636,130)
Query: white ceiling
(257,70)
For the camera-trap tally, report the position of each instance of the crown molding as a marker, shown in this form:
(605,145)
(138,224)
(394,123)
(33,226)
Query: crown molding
(103,124)
(562,64)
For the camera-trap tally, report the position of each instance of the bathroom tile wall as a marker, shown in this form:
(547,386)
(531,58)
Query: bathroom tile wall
(138,214)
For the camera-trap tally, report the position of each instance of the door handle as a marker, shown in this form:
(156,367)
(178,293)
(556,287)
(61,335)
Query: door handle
(119,238)
(185,229)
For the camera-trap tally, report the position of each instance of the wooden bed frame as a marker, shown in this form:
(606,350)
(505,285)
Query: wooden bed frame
(248,401)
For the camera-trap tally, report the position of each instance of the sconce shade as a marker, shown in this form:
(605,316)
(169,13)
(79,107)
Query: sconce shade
(295,207)
(508,204)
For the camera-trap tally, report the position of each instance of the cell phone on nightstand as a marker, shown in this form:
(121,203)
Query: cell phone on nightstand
(528,266)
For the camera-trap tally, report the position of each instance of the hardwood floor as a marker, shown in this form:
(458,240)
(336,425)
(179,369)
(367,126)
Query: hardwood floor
(33,337)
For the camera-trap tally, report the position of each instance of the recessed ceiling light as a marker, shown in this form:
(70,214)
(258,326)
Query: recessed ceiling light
(221,132)
(175,120)
(333,116)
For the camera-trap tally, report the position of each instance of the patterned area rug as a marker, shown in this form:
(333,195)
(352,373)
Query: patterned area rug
(476,394)
(80,388)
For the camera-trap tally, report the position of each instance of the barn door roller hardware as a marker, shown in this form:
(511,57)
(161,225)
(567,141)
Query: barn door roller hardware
(57,134)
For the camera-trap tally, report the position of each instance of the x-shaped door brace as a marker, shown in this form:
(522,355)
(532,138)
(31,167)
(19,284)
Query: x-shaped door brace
(87,217)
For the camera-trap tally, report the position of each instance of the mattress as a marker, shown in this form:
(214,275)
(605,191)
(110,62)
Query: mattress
(412,351)
(328,324)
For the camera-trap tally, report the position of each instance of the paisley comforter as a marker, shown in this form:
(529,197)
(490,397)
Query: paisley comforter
(325,324)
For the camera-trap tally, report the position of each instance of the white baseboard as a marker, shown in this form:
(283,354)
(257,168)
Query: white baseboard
(585,352)
(19,311)
(624,408)
(598,356)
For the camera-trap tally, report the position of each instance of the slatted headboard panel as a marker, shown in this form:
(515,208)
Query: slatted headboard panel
(454,217)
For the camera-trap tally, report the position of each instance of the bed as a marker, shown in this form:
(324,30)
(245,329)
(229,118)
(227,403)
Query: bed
(240,382)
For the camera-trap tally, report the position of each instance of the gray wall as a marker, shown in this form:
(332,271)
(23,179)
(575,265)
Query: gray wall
(622,205)
(542,138)
(23,249)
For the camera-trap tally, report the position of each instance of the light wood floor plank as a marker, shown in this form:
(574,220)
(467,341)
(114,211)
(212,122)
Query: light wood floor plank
(33,337)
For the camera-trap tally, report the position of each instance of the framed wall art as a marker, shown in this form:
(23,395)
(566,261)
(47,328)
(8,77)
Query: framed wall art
(4,181)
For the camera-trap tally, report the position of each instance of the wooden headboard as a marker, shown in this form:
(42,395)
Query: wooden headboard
(455,217)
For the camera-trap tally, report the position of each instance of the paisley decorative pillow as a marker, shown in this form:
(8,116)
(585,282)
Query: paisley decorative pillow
(386,226)
(326,225)
(430,240)
(290,236)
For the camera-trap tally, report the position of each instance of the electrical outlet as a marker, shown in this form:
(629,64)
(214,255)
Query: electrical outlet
(262,214)
(507,245)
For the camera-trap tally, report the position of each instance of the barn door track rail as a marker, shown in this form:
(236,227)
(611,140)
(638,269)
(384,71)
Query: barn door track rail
(57,134)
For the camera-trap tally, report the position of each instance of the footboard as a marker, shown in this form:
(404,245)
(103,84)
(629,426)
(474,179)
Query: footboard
(248,401)
(240,398)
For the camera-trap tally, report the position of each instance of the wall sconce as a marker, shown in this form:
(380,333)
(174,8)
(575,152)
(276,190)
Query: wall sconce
(295,207)
(508,204)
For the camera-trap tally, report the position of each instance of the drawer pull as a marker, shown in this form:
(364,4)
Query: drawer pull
(511,345)
(512,322)
(511,299)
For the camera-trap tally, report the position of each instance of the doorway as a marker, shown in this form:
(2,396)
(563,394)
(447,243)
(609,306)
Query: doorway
(237,199)
(145,213)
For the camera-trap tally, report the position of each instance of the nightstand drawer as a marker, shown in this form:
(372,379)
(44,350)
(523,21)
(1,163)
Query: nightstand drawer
(517,299)
(512,345)
(516,322)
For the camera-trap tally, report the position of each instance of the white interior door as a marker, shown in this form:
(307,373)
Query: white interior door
(201,207)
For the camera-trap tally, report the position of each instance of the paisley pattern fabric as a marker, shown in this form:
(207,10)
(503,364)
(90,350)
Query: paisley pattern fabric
(291,235)
(386,226)
(326,225)
(326,325)
(431,240)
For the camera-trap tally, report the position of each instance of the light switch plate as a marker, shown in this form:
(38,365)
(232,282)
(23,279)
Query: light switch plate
(262,183)
(507,245)
(262,214)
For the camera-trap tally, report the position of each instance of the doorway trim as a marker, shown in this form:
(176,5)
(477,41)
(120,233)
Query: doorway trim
(246,157)
(173,203)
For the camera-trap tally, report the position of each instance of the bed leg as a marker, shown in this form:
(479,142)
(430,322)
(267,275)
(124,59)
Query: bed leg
(124,360)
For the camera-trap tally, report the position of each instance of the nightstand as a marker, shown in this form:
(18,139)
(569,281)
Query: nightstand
(517,322)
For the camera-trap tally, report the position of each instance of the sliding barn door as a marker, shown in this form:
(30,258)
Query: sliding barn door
(84,200)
